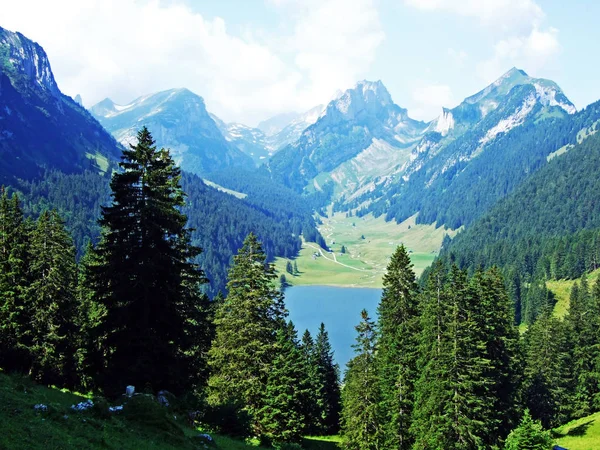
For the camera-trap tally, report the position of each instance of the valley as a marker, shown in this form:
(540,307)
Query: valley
(378,278)
(368,243)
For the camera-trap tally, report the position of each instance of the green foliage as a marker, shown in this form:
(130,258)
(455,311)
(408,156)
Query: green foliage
(51,336)
(282,417)
(24,428)
(247,321)
(529,435)
(14,280)
(397,356)
(326,385)
(557,238)
(468,366)
(361,413)
(547,381)
(583,334)
(154,328)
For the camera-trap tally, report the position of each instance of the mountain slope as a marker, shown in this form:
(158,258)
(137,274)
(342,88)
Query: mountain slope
(270,136)
(552,214)
(40,128)
(362,119)
(481,151)
(178,120)
(251,141)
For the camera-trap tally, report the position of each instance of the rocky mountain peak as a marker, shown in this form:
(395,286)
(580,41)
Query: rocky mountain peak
(21,57)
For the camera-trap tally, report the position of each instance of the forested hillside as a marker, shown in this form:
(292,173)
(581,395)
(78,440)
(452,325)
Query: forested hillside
(219,221)
(470,187)
(549,228)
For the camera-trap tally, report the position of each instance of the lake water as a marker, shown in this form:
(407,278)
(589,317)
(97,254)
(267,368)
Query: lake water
(338,308)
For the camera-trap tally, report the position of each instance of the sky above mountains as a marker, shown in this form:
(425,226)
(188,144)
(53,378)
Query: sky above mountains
(251,59)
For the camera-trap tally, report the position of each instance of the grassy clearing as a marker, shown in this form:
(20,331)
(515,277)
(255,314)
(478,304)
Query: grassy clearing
(236,194)
(60,427)
(100,160)
(562,291)
(581,434)
(366,259)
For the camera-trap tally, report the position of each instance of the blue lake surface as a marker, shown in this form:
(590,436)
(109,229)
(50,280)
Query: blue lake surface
(338,308)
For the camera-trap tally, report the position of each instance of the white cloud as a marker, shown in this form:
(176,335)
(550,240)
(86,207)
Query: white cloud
(458,57)
(127,48)
(333,43)
(503,14)
(429,100)
(515,25)
(532,53)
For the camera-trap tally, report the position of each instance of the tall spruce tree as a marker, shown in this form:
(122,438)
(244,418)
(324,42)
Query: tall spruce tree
(14,273)
(583,333)
(453,401)
(282,415)
(547,370)
(501,337)
(327,383)
(311,410)
(397,356)
(361,413)
(247,322)
(51,303)
(145,278)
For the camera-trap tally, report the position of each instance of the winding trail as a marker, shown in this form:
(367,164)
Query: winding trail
(334,260)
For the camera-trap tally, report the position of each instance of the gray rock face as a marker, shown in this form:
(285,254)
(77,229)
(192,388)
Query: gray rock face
(27,58)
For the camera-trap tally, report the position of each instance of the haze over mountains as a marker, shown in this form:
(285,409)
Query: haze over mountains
(361,153)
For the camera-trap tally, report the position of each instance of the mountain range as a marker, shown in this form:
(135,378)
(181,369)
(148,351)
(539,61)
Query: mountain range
(179,121)
(361,152)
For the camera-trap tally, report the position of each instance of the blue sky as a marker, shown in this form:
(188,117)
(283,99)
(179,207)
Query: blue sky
(251,59)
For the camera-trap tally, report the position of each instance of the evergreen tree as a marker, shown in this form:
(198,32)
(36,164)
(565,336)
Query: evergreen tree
(529,435)
(453,398)
(246,323)
(361,413)
(14,268)
(583,330)
(145,279)
(501,337)
(547,381)
(328,388)
(296,268)
(282,415)
(51,336)
(288,268)
(397,355)
(311,383)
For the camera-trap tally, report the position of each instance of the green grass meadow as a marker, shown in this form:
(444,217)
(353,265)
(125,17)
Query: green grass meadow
(22,427)
(580,434)
(365,260)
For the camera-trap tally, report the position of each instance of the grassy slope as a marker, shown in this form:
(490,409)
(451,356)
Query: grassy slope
(236,194)
(580,434)
(562,290)
(370,255)
(21,427)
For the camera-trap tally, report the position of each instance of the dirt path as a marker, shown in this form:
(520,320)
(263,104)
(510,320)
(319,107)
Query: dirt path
(334,260)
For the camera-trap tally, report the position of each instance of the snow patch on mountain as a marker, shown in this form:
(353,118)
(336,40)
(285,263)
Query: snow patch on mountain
(547,97)
(512,121)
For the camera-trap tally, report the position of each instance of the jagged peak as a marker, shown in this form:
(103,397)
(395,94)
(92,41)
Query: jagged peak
(514,71)
(29,59)
(366,95)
